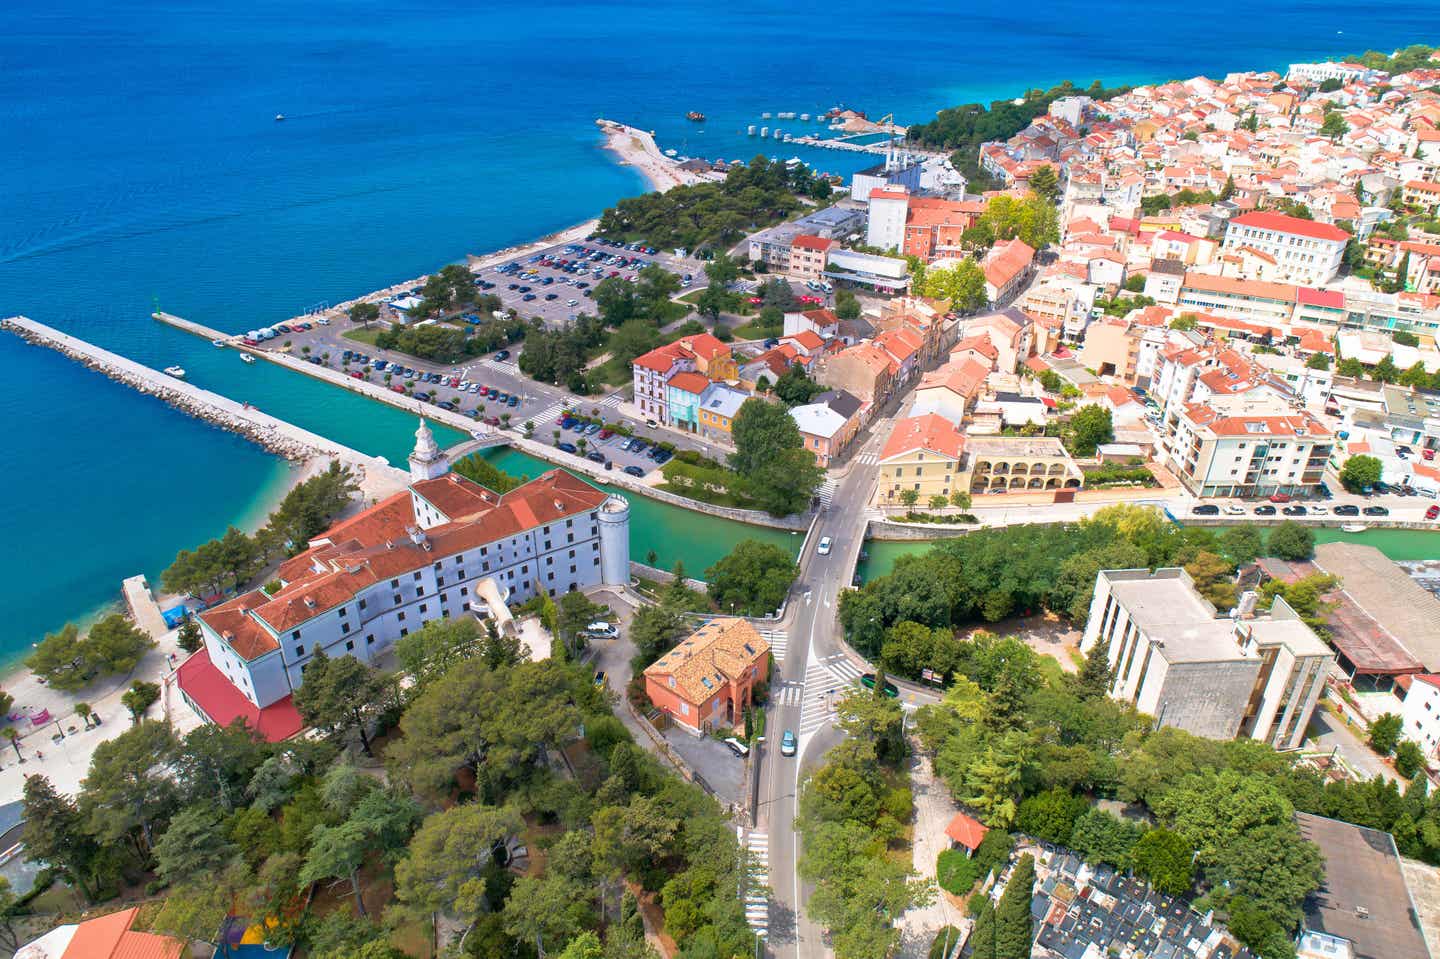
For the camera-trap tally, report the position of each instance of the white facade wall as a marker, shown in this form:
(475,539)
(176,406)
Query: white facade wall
(1299,259)
(885,226)
(1420,716)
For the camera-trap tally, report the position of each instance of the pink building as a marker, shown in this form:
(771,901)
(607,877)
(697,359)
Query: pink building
(706,681)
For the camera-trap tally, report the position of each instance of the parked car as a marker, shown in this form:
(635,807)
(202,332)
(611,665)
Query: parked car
(1375,511)
(633,471)
(565,447)
(1295,509)
(603,630)
(1234,509)
(737,747)
(1432,512)
(1347,509)
(1279,497)
(1266,510)
(1206,509)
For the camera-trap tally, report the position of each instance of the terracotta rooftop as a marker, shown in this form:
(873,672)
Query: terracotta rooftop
(720,651)
(1282,223)
(931,433)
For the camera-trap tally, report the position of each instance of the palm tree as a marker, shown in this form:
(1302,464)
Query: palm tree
(505,420)
(83,711)
(557,437)
(580,445)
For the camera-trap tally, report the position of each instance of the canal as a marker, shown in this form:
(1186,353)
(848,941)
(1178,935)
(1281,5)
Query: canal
(1408,544)
(673,532)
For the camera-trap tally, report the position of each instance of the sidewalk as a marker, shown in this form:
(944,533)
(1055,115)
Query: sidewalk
(933,811)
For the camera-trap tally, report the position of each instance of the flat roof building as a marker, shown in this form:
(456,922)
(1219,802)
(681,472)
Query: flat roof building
(1221,677)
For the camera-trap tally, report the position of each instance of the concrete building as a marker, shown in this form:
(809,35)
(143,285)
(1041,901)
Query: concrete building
(1019,464)
(718,406)
(884,274)
(828,425)
(893,173)
(432,552)
(651,372)
(1246,444)
(1008,267)
(885,225)
(1320,72)
(1304,251)
(707,681)
(1220,677)
(809,256)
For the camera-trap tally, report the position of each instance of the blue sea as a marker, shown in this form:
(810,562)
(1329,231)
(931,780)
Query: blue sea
(141,164)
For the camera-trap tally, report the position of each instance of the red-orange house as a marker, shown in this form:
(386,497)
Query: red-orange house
(707,680)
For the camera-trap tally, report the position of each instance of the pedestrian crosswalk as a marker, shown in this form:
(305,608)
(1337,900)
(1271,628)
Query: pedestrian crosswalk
(504,366)
(827,492)
(612,401)
(787,693)
(842,667)
(757,891)
(867,458)
(823,682)
(779,642)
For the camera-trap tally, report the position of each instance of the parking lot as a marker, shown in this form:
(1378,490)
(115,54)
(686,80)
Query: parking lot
(557,284)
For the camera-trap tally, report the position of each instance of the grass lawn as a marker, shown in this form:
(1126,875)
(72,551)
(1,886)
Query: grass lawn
(754,331)
(612,372)
(362,335)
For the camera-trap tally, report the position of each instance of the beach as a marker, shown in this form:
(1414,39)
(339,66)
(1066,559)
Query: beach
(635,147)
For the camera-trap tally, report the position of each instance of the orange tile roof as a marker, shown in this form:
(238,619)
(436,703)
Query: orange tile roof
(931,432)
(807,242)
(718,652)
(689,382)
(900,343)
(966,830)
(109,937)
(376,545)
(964,377)
(1206,283)
(806,339)
(1007,261)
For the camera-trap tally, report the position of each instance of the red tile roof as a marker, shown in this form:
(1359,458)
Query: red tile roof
(689,382)
(222,703)
(109,937)
(931,432)
(1007,261)
(807,242)
(966,830)
(1282,223)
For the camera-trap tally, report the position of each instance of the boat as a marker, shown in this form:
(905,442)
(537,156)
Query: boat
(279,117)
(695,115)
(176,371)
(218,344)
(672,153)
(1354,528)
(246,358)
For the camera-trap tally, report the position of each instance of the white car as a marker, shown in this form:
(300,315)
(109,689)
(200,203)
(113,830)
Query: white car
(603,630)
(824,548)
(1235,510)
(1319,510)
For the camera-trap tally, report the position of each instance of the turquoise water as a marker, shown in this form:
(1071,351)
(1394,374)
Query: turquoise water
(142,162)
(1395,543)
(674,533)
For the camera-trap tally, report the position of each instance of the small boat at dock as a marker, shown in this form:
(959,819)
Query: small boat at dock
(246,358)
(176,371)
(1354,528)
(218,344)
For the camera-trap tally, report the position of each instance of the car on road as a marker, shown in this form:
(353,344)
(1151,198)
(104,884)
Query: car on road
(595,456)
(513,401)
(503,355)
(1375,511)
(787,743)
(603,630)
(1266,510)
(592,429)
(1206,509)
(1432,512)
(824,547)
(1347,509)
(1279,497)
(891,690)
(633,471)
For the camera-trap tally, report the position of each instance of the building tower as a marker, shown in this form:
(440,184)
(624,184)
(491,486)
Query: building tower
(427,461)
(615,541)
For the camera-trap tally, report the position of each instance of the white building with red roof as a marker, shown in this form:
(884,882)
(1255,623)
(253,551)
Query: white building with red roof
(1246,444)
(1304,251)
(435,551)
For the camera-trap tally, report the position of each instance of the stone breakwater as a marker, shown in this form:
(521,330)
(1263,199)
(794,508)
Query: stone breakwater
(269,432)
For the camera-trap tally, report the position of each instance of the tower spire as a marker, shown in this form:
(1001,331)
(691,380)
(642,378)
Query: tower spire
(427,461)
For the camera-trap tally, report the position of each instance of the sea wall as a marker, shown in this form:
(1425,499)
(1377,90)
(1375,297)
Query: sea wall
(269,432)
(886,530)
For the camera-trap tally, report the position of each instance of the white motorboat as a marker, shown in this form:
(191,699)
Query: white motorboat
(246,358)
(1354,528)
(218,344)
(279,117)
(176,371)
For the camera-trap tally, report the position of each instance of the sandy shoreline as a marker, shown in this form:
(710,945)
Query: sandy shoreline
(635,147)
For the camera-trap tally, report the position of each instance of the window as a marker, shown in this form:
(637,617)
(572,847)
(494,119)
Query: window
(344,627)
(464,590)
(419,590)
(572,567)
(342,610)
(395,584)
(370,639)
(396,598)
(416,576)
(440,581)
(350,646)
(299,650)
(459,558)
(422,607)
(404,633)
(437,569)
(295,635)
(572,554)
(400,616)
(362,604)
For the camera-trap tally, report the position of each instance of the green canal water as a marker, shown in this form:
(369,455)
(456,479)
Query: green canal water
(674,533)
(1394,543)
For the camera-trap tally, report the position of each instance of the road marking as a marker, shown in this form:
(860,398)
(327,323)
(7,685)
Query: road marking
(827,492)
(822,686)
(789,693)
(842,668)
(757,898)
(779,642)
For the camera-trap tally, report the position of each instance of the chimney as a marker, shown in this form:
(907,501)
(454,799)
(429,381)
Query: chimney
(418,537)
(309,601)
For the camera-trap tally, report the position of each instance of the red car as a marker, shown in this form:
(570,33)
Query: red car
(1432,512)
(357,374)
(1279,497)
(397,389)
(606,434)
(1428,454)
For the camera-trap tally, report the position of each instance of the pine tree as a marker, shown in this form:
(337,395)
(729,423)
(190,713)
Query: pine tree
(55,833)
(982,937)
(1014,927)
(1228,190)
(1094,678)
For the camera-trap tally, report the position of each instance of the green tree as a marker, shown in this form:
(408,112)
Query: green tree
(847,307)
(139,698)
(633,338)
(338,695)
(1241,544)
(1014,926)
(448,857)
(1334,125)
(1095,676)
(1359,471)
(196,844)
(1291,541)
(1409,760)
(548,911)
(795,388)
(1050,815)
(1045,183)
(1351,367)
(962,284)
(1090,426)
(1166,859)
(1385,733)
(1184,322)
(364,313)
(56,834)
(752,579)
(1318,361)
(909,496)
(1101,837)
(129,789)
(189,638)
(59,659)
(775,468)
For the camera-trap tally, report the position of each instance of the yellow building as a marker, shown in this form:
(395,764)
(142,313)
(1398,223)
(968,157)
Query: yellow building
(923,454)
